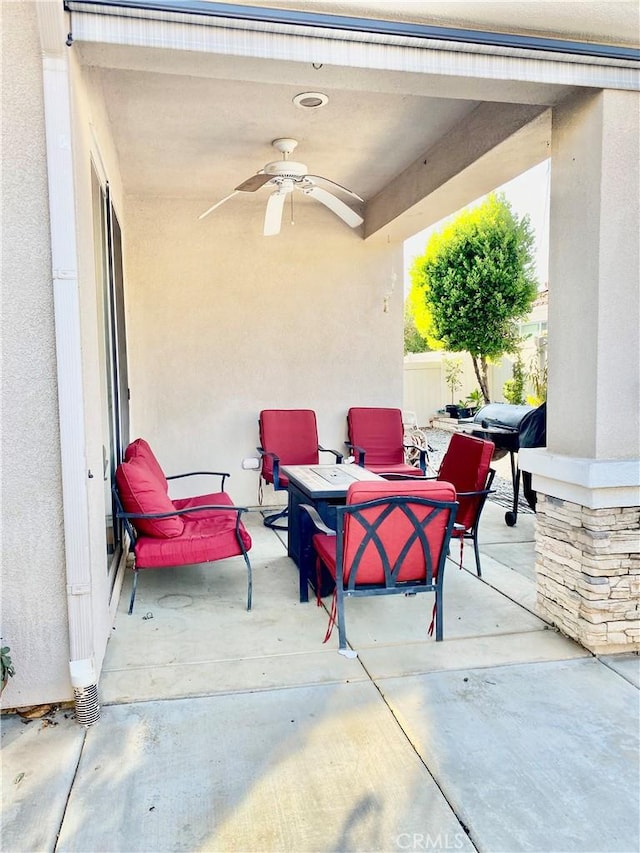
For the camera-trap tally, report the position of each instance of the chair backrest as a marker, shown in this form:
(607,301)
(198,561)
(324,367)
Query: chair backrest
(140,449)
(140,491)
(466,464)
(292,434)
(401,535)
(379,432)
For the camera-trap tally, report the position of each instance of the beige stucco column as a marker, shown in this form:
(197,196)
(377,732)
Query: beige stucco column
(588,477)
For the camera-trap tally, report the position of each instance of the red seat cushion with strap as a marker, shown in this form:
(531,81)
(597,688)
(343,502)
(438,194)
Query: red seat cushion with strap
(204,539)
(392,533)
(216,498)
(141,491)
(380,433)
(139,449)
(292,434)
(403,468)
(466,464)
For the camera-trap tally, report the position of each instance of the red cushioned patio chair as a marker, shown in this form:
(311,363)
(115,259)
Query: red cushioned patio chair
(391,538)
(287,437)
(467,464)
(185,531)
(376,440)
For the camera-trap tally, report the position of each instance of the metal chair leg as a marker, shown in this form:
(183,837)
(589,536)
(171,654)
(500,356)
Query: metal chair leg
(133,591)
(438,616)
(249,580)
(476,550)
(342,634)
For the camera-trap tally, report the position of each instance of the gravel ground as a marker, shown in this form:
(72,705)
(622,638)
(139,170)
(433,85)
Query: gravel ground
(439,439)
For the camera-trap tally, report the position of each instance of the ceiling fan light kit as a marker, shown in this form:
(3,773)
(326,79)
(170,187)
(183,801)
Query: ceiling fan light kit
(285,176)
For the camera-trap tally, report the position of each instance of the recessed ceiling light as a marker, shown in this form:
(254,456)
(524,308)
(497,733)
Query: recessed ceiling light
(310,100)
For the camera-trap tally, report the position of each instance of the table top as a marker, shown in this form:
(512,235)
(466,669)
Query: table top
(326,481)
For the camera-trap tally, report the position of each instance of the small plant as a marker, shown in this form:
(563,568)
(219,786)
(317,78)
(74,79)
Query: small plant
(6,666)
(475,399)
(513,389)
(452,374)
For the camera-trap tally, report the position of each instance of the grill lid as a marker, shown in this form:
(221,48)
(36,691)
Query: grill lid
(502,414)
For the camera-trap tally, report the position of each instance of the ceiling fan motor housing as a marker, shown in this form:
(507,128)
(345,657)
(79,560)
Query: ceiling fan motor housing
(286,169)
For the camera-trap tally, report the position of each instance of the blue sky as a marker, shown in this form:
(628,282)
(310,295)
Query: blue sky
(528,193)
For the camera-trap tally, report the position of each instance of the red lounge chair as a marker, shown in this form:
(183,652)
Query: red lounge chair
(287,437)
(391,538)
(181,532)
(376,440)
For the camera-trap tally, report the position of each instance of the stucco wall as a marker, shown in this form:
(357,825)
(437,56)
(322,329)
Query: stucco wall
(34,619)
(34,578)
(223,322)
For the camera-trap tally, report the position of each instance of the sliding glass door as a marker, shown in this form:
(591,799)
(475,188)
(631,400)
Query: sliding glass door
(113,357)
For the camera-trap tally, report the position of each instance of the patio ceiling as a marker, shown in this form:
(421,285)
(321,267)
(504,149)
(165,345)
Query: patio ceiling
(194,125)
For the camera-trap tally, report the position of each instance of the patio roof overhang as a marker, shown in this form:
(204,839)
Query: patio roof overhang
(471,106)
(404,30)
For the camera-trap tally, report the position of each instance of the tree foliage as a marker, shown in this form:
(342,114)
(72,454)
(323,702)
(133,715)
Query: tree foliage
(473,282)
(413,340)
(514,388)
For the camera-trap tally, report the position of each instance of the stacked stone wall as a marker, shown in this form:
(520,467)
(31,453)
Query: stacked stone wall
(588,573)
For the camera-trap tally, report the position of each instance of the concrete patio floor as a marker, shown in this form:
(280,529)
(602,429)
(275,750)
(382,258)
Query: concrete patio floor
(223,730)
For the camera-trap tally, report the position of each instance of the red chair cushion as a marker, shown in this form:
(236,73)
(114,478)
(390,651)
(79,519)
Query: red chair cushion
(204,539)
(403,468)
(292,434)
(466,464)
(392,532)
(215,498)
(141,491)
(380,433)
(139,449)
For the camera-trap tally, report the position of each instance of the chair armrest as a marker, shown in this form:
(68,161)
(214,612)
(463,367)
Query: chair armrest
(476,494)
(423,451)
(275,459)
(318,523)
(189,510)
(360,450)
(133,533)
(339,456)
(480,492)
(394,475)
(222,474)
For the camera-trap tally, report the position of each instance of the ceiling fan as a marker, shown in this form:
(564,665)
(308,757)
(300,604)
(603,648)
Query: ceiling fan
(286,176)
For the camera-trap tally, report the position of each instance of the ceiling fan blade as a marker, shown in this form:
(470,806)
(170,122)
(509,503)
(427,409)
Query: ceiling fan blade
(253,183)
(334,204)
(273,214)
(329,181)
(217,204)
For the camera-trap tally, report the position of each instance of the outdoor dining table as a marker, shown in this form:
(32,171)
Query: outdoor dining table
(323,487)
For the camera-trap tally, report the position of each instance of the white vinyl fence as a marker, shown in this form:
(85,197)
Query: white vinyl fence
(425,391)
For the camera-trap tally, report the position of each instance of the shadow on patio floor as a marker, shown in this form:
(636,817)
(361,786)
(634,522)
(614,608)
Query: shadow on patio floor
(227,730)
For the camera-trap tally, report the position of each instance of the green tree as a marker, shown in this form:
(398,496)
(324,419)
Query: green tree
(473,283)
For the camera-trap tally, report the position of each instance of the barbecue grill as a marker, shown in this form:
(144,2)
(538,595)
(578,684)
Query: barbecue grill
(506,425)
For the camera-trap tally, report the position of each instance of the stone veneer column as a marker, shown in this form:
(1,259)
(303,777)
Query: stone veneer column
(588,476)
(588,572)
